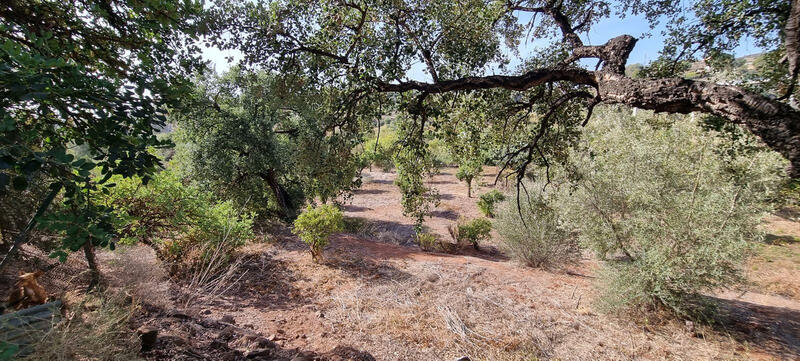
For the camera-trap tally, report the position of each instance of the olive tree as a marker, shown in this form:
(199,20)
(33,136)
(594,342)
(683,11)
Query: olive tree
(267,142)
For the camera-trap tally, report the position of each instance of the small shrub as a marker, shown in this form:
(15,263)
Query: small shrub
(427,241)
(472,231)
(467,172)
(315,225)
(534,233)
(488,202)
(210,241)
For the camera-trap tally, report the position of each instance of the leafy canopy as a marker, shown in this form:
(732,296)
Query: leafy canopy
(98,75)
(268,141)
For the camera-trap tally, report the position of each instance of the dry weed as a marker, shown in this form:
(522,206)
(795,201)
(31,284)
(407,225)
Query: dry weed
(95,328)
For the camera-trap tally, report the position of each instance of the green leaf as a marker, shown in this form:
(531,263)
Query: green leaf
(61,255)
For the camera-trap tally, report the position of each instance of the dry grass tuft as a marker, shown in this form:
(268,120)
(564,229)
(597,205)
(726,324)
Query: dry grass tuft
(96,327)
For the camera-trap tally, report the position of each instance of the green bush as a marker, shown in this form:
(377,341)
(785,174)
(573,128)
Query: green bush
(472,231)
(488,201)
(467,172)
(380,151)
(427,241)
(315,225)
(535,233)
(668,207)
(187,226)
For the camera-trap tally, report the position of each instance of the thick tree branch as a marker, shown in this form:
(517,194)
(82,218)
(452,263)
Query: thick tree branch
(510,82)
(776,123)
(792,43)
(614,53)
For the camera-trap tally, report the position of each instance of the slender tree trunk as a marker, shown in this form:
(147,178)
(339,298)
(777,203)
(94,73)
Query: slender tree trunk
(281,196)
(23,235)
(94,272)
(377,141)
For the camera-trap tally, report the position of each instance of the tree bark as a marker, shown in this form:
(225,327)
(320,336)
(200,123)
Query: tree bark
(281,196)
(792,43)
(91,260)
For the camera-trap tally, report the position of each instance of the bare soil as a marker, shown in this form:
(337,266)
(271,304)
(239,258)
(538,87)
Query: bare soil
(378,296)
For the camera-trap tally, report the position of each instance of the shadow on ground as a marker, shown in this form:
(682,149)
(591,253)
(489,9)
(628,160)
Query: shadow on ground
(370,191)
(776,330)
(266,283)
(355,209)
(182,336)
(776,240)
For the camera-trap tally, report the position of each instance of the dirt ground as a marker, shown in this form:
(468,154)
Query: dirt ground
(380,297)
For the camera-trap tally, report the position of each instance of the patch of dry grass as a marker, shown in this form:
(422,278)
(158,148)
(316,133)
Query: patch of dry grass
(777,261)
(96,327)
(443,315)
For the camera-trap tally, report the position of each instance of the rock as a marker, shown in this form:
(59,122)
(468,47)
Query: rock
(209,323)
(195,329)
(265,354)
(463,358)
(345,353)
(432,277)
(206,312)
(148,336)
(227,333)
(228,319)
(303,356)
(263,343)
(178,314)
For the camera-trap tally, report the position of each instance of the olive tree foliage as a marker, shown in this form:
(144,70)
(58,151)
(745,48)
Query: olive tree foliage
(535,230)
(367,47)
(670,208)
(268,141)
(91,74)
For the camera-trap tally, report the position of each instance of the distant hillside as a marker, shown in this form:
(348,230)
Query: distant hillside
(699,69)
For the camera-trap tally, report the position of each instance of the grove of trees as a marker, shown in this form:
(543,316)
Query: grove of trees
(91,89)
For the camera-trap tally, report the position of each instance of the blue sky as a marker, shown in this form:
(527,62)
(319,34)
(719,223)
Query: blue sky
(646,50)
